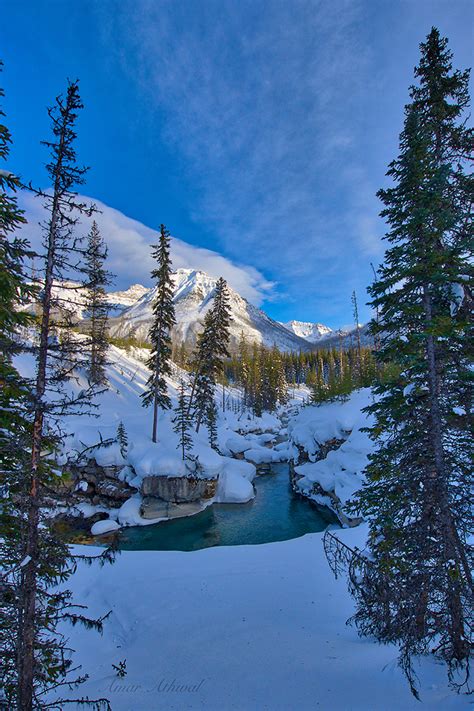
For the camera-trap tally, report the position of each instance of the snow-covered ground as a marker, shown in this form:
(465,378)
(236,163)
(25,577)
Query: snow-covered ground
(127,376)
(241,628)
(340,470)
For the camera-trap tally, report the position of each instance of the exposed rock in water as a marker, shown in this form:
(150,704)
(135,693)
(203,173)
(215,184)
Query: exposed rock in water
(65,522)
(153,507)
(179,489)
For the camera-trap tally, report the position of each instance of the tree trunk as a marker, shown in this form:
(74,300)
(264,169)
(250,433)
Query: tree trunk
(438,485)
(26,661)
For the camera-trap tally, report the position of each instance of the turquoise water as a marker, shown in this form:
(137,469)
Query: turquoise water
(274,515)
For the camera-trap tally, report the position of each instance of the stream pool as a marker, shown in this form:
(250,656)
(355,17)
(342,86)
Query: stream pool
(275,514)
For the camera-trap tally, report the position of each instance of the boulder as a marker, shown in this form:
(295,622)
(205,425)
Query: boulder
(113,489)
(157,508)
(179,489)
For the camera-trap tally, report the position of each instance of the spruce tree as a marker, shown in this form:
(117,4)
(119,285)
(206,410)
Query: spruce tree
(122,439)
(415,588)
(15,426)
(355,310)
(42,661)
(211,423)
(212,348)
(96,279)
(160,333)
(182,423)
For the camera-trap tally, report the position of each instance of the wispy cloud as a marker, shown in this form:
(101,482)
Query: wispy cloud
(262,101)
(129,250)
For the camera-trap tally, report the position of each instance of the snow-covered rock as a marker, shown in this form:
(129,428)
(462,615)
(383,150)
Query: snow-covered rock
(332,439)
(106,526)
(233,488)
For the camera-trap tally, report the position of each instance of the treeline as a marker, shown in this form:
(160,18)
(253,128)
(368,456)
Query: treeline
(327,372)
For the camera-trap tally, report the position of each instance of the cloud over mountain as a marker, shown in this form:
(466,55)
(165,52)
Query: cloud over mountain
(129,257)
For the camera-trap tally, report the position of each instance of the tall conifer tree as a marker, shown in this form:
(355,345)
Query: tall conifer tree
(15,426)
(182,423)
(96,279)
(212,348)
(42,663)
(160,332)
(416,588)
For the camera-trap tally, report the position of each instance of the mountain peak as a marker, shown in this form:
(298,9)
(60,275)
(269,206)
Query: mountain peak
(311,332)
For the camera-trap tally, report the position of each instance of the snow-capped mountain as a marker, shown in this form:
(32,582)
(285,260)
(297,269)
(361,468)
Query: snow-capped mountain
(311,332)
(130,313)
(193,293)
(120,300)
(347,338)
(71,296)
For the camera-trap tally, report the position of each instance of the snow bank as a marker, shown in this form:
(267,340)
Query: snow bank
(341,471)
(104,527)
(314,425)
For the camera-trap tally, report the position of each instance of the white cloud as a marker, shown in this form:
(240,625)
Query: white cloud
(262,107)
(129,257)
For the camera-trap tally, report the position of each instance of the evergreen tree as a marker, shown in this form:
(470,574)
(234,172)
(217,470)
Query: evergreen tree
(182,423)
(357,330)
(416,587)
(96,279)
(211,423)
(244,367)
(15,429)
(160,333)
(122,439)
(205,371)
(212,348)
(42,663)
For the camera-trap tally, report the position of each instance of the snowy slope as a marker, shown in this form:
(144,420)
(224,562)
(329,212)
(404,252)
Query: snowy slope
(193,296)
(121,300)
(348,338)
(241,628)
(131,313)
(71,296)
(311,332)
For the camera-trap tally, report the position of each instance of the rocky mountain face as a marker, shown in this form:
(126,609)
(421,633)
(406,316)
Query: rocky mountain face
(347,338)
(311,332)
(193,294)
(131,314)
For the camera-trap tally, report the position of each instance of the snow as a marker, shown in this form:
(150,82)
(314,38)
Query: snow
(104,527)
(249,627)
(311,332)
(193,292)
(233,488)
(264,455)
(127,375)
(341,471)
(314,425)
(457,298)
(246,627)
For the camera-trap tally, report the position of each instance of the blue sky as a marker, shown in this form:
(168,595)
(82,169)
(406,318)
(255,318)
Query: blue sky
(258,130)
